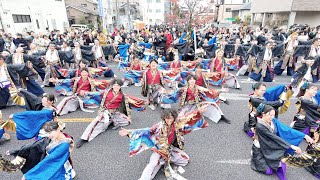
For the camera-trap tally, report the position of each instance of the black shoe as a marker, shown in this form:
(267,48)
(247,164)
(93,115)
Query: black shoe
(223,118)
(226,102)
(115,127)
(80,143)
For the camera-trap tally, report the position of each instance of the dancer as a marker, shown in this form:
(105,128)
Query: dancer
(35,103)
(264,64)
(288,57)
(153,85)
(303,73)
(134,73)
(8,89)
(114,108)
(308,115)
(218,69)
(98,54)
(165,139)
(22,73)
(274,139)
(52,62)
(47,158)
(255,100)
(82,85)
(192,96)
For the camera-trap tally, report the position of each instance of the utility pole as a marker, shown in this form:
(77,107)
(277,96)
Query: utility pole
(117,14)
(129,20)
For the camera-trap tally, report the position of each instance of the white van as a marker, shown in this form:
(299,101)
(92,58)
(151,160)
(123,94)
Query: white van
(80,26)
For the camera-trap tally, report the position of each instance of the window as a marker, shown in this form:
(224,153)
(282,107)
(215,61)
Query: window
(149,1)
(244,1)
(21,18)
(228,9)
(83,5)
(158,10)
(149,10)
(158,1)
(150,20)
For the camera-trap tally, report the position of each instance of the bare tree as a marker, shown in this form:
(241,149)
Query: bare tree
(197,12)
(176,16)
(192,13)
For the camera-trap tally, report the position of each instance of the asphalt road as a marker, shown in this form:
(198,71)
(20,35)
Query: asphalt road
(219,152)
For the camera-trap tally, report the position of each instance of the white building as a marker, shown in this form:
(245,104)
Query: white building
(285,12)
(33,15)
(153,11)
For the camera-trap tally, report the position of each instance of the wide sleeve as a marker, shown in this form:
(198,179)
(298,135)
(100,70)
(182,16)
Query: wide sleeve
(9,60)
(135,103)
(209,95)
(92,99)
(29,123)
(143,139)
(317,97)
(274,104)
(171,98)
(64,86)
(312,112)
(256,101)
(273,93)
(278,50)
(269,140)
(190,122)
(52,166)
(290,135)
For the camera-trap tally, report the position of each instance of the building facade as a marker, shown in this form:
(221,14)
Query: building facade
(82,12)
(285,12)
(153,11)
(243,12)
(33,15)
(224,9)
(121,12)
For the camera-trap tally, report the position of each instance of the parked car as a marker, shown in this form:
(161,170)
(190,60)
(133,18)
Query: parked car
(80,26)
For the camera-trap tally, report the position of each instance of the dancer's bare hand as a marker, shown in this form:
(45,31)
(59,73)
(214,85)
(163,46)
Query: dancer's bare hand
(296,149)
(123,132)
(309,139)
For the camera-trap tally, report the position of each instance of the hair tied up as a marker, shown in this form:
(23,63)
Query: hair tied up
(253,86)
(260,108)
(305,85)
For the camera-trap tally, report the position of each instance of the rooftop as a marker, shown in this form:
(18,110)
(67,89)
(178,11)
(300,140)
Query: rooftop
(244,7)
(82,9)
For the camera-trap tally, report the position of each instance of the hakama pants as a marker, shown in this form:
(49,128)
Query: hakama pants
(178,157)
(102,122)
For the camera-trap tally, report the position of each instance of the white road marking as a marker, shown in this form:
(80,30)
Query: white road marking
(234,161)
(253,82)
(241,97)
(235,96)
